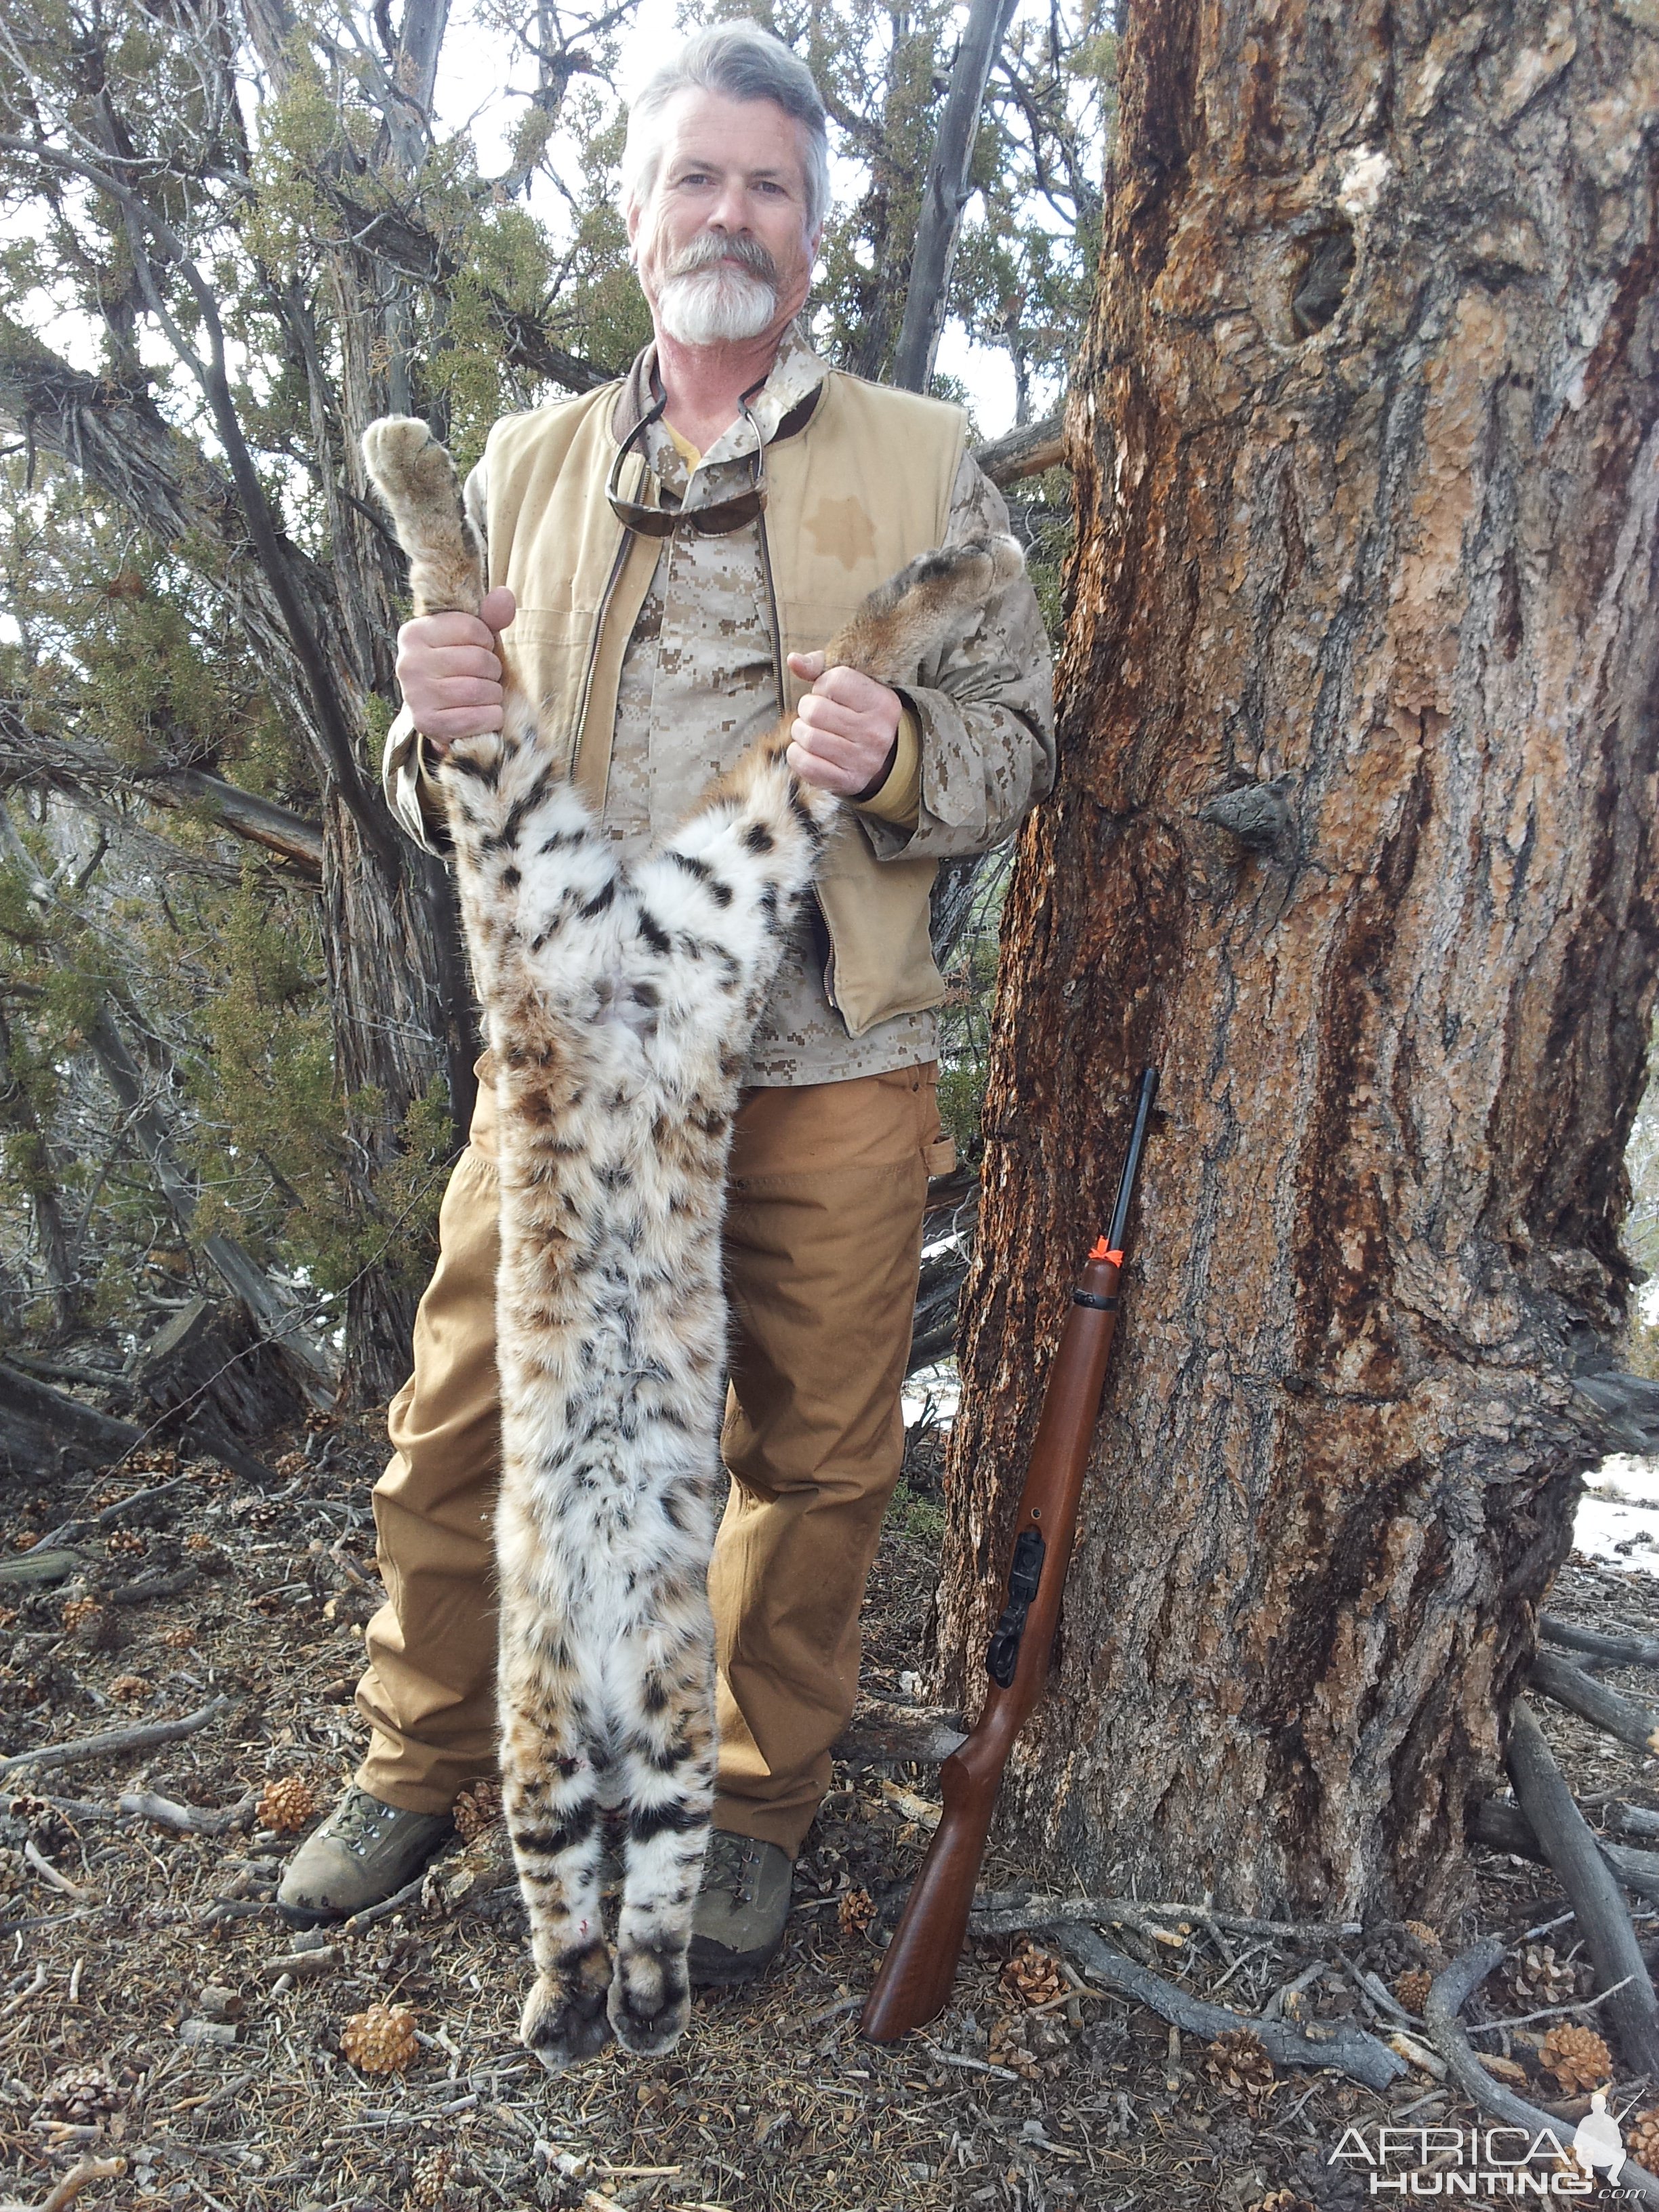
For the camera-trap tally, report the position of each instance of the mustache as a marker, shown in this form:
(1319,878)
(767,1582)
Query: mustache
(716,245)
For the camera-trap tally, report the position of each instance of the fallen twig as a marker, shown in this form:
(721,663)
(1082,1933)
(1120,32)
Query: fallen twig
(114,1740)
(395,1902)
(69,2187)
(191,1819)
(1615,1650)
(1545,2012)
(1348,2050)
(1449,1992)
(110,1515)
(1581,1693)
(1592,1891)
(49,1874)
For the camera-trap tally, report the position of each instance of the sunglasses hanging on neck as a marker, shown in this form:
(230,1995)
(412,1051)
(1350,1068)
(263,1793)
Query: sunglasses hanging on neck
(717,520)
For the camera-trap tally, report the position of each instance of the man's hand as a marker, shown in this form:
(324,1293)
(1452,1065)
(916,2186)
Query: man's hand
(450,673)
(845,728)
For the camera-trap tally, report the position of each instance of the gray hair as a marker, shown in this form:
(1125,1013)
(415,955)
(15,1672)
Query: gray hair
(743,61)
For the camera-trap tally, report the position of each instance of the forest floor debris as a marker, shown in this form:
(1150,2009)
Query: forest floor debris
(154,2009)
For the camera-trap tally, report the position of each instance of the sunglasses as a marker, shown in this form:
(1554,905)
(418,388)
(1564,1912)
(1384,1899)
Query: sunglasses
(717,519)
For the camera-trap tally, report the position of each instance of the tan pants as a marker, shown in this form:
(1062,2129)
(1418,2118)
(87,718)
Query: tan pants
(823,1237)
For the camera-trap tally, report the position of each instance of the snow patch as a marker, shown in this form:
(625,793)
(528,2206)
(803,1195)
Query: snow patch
(1618,1517)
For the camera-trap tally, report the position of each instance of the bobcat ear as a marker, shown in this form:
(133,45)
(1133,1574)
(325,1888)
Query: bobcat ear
(1007,561)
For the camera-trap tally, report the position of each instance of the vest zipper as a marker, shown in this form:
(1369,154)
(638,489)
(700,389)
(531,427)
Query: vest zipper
(778,672)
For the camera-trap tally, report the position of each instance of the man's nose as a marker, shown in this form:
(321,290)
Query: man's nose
(730,211)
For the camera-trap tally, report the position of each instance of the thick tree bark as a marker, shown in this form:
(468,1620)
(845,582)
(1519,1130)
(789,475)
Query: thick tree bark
(1367,465)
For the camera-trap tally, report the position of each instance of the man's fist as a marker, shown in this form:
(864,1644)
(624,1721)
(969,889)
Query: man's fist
(450,673)
(845,728)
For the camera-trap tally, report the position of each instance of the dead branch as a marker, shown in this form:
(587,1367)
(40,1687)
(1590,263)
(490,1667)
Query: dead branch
(39,1569)
(1011,1913)
(1347,2051)
(1026,452)
(149,1587)
(1592,1891)
(1615,1650)
(1581,1693)
(1449,1992)
(883,1735)
(1506,1828)
(114,1740)
(191,1819)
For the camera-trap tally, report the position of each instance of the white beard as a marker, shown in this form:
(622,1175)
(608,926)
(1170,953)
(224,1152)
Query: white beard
(718,306)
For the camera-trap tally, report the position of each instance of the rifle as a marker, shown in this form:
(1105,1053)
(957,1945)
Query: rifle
(913,1983)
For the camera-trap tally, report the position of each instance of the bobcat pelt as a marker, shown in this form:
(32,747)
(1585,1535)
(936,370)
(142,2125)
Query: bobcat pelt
(618,1003)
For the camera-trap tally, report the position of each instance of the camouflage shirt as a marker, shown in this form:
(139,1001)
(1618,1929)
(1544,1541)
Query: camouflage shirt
(699,683)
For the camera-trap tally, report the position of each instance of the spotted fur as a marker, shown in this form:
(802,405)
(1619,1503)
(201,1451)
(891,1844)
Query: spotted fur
(619,1001)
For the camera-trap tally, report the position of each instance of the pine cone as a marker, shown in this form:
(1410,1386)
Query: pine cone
(430,2182)
(8,1616)
(47,1827)
(1007,2048)
(1237,2061)
(478,1809)
(289,1464)
(14,1874)
(198,1541)
(1033,1976)
(131,1689)
(1642,2138)
(380,2041)
(81,2095)
(1578,2058)
(1282,2200)
(127,1543)
(287,1804)
(180,1638)
(1413,1990)
(83,1615)
(1538,1975)
(1434,1951)
(856,1911)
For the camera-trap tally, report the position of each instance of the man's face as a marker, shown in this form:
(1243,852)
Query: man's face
(723,250)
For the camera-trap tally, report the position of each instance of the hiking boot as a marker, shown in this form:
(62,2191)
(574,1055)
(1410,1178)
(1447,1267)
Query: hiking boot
(744,1902)
(361,1855)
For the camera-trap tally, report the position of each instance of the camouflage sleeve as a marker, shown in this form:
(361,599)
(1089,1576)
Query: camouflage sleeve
(987,719)
(404,776)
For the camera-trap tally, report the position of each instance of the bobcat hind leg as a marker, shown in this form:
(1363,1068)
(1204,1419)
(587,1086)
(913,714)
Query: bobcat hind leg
(550,1796)
(668,1775)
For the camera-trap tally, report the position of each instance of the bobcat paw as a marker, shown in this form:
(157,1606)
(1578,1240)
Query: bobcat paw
(564,2016)
(650,2000)
(405,461)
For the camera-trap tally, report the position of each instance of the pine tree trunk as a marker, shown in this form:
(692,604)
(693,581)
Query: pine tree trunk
(1367,449)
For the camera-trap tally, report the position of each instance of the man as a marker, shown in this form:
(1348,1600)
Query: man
(669,554)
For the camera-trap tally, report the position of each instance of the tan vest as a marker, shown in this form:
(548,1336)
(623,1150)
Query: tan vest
(865,488)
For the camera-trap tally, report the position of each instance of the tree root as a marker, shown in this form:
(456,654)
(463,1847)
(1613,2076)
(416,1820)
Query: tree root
(1011,1912)
(1506,1828)
(1450,1991)
(1347,2051)
(1581,1693)
(1603,1918)
(113,1741)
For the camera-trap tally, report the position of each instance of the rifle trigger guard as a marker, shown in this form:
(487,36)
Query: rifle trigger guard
(1024,1573)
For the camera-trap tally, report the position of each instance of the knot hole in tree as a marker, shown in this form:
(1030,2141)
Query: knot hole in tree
(1321,271)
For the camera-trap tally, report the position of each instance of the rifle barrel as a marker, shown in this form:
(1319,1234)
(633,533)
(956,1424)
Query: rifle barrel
(913,1985)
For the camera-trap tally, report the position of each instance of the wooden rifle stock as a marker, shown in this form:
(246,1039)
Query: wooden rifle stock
(913,1984)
